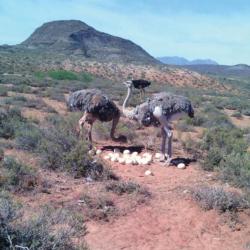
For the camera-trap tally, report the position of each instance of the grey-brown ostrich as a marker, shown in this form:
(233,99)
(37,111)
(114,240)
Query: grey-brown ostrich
(159,110)
(96,106)
(141,85)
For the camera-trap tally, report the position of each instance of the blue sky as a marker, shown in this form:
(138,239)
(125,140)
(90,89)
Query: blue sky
(216,29)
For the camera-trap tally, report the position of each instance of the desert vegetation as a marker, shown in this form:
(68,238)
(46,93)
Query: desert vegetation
(43,157)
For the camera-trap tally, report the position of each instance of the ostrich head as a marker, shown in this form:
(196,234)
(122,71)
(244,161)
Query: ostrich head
(128,83)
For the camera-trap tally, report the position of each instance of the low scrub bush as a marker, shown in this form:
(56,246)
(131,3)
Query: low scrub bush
(3,91)
(28,137)
(48,229)
(235,168)
(62,75)
(16,175)
(98,207)
(21,88)
(121,187)
(86,77)
(61,148)
(237,114)
(218,199)
(212,117)
(10,120)
(226,151)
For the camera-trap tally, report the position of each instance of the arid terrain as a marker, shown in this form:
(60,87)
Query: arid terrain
(58,194)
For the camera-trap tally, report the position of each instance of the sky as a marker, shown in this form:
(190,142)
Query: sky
(215,29)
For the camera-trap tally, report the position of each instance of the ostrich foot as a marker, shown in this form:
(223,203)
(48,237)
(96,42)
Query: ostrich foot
(168,161)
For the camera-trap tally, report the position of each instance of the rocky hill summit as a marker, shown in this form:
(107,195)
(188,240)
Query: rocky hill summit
(72,37)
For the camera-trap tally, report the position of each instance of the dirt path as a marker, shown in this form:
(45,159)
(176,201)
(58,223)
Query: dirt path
(171,220)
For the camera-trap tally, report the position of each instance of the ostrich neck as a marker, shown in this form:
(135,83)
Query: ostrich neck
(126,112)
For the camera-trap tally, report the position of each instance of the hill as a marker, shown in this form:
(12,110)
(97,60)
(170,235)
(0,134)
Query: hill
(175,60)
(75,46)
(238,70)
(77,38)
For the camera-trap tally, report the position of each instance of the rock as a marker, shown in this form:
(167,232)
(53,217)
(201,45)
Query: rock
(148,172)
(181,166)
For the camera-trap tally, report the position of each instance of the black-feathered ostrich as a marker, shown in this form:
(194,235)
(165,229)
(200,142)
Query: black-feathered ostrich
(96,106)
(141,85)
(159,110)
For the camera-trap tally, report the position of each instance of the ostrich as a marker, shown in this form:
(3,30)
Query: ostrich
(159,110)
(96,106)
(141,85)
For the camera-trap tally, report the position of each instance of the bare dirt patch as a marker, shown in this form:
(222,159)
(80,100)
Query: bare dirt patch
(242,122)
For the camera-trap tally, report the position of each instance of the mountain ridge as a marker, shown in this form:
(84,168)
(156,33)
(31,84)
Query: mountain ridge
(77,38)
(176,60)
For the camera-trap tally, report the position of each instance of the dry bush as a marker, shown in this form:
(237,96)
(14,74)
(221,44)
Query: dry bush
(121,187)
(47,229)
(217,198)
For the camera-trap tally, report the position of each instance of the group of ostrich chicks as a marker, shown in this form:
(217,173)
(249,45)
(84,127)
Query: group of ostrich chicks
(158,110)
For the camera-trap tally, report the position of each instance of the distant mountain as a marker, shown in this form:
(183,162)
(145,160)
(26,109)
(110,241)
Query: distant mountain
(72,37)
(238,70)
(175,60)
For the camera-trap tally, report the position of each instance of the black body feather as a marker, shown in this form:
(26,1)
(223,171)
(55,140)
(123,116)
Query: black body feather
(140,83)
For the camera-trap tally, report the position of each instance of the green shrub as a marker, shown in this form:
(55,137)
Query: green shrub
(61,148)
(235,168)
(212,159)
(237,114)
(226,151)
(48,229)
(22,88)
(28,137)
(17,176)
(3,91)
(215,118)
(39,74)
(62,75)
(86,77)
(227,140)
(10,120)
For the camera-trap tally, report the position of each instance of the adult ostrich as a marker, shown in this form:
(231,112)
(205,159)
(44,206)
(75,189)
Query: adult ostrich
(159,110)
(141,85)
(96,106)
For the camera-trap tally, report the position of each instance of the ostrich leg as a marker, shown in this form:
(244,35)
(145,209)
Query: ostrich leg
(90,126)
(169,137)
(163,142)
(113,128)
(144,93)
(81,123)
